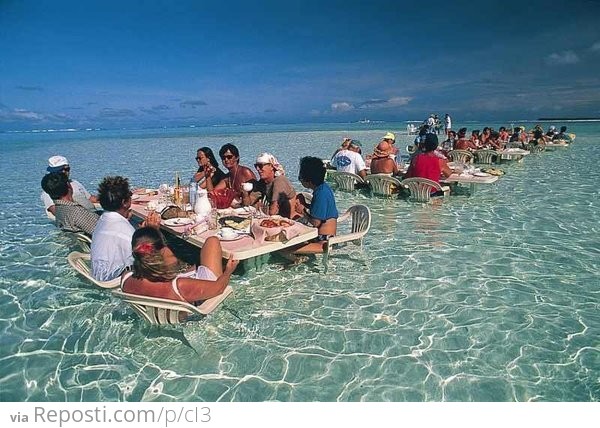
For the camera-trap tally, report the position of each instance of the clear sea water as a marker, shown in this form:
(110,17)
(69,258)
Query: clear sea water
(492,297)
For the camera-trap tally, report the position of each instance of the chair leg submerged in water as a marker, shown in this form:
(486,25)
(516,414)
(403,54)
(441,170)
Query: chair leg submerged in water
(361,223)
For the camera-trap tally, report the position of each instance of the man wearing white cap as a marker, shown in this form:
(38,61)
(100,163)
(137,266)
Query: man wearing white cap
(273,186)
(350,160)
(80,194)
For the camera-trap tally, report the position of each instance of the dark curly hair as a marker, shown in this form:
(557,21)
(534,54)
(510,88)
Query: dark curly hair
(55,184)
(312,170)
(113,192)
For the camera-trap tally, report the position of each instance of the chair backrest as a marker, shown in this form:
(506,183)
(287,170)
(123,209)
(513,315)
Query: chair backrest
(420,188)
(360,215)
(345,180)
(536,149)
(82,264)
(463,156)
(84,241)
(383,184)
(485,156)
(159,311)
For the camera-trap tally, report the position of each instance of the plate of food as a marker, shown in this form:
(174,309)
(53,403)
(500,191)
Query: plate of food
(228,234)
(235,222)
(178,221)
(272,222)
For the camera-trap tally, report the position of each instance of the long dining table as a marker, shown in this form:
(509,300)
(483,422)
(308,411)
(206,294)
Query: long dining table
(253,253)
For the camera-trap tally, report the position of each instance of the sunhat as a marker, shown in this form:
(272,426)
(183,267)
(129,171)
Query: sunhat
(389,136)
(382,150)
(265,158)
(57,163)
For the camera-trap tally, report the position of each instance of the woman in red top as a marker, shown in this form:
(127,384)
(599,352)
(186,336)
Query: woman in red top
(427,164)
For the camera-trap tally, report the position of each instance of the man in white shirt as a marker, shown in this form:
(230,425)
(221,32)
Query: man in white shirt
(80,194)
(111,240)
(350,160)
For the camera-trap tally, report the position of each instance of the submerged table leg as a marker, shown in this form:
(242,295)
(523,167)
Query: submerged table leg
(256,263)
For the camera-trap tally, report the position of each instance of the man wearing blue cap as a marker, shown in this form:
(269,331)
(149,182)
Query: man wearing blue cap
(80,194)
(350,160)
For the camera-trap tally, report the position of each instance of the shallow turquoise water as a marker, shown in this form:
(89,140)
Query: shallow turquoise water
(490,297)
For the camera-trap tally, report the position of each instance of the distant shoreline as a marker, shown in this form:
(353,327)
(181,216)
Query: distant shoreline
(572,119)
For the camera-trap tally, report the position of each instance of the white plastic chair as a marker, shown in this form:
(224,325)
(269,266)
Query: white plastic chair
(420,188)
(82,264)
(84,241)
(345,180)
(361,223)
(485,156)
(463,156)
(159,311)
(383,184)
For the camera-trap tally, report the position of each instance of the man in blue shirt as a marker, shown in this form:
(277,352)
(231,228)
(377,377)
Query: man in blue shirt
(323,211)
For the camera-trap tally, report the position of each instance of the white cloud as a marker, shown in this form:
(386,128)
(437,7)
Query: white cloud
(595,47)
(315,112)
(399,101)
(562,58)
(341,107)
(379,103)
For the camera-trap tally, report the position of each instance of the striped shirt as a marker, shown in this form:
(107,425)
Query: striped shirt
(72,217)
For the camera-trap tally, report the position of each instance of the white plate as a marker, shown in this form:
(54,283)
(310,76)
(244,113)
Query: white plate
(233,237)
(481,174)
(179,221)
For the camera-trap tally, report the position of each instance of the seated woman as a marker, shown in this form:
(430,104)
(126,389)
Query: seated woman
(207,166)
(463,143)
(427,164)
(382,161)
(158,273)
(272,189)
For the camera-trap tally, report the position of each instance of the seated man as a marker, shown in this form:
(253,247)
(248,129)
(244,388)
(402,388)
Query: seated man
(350,160)
(70,216)
(273,188)
(323,211)
(80,194)
(111,240)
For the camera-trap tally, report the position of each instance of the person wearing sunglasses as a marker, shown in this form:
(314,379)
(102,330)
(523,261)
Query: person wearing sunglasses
(207,166)
(236,175)
(80,194)
(272,190)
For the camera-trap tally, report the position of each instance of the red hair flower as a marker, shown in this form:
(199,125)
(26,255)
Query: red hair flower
(144,249)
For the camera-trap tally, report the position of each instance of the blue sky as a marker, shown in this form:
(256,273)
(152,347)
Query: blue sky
(123,63)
